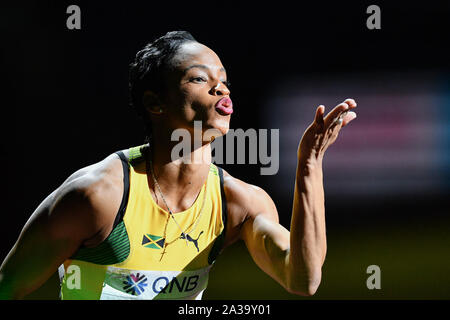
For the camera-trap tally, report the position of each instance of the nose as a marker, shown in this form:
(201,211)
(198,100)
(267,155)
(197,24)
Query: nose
(220,90)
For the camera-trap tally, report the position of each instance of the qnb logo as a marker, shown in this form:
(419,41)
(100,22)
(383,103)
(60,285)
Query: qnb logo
(135,284)
(163,285)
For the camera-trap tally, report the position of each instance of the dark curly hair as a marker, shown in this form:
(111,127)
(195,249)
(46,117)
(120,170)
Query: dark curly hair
(147,70)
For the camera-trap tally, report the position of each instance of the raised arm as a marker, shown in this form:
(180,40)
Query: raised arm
(295,258)
(71,215)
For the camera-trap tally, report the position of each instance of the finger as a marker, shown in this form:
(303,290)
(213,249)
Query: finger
(333,116)
(319,114)
(348,118)
(351,103)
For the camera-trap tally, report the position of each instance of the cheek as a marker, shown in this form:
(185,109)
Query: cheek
(196,105)
(192,103)
(189,97)
(179,105)
(177,99)
(198,99)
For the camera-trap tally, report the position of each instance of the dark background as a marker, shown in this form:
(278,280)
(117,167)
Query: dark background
(65,106)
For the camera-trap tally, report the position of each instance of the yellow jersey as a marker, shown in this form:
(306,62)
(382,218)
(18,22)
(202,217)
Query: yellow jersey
(137,261)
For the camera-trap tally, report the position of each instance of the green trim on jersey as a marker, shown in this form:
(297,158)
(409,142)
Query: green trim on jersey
(114,249)
(136,154)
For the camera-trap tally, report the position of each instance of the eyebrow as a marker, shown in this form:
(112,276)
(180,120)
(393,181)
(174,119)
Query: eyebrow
(201,66)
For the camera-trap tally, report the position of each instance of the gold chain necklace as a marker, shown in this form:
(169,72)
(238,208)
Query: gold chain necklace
(183,233)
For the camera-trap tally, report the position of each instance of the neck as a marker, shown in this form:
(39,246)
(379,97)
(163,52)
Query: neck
(179,180)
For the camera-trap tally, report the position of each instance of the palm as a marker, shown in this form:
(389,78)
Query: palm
(324,130)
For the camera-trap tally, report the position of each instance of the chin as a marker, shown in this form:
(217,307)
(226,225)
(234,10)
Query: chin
(216,128)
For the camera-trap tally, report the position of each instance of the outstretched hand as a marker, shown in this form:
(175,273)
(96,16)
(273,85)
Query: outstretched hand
(324,130)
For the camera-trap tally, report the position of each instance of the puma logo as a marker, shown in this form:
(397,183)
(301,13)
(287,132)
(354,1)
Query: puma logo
(189,238)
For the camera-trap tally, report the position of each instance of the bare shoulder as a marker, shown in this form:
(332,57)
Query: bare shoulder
(88,200)
(246,201)
(95,181)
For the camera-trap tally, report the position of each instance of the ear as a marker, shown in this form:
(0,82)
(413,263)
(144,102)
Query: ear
(151,102)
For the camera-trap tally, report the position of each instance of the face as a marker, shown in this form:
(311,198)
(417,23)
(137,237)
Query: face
(197,91)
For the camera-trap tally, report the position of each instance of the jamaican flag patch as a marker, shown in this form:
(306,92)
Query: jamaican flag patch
(151,241)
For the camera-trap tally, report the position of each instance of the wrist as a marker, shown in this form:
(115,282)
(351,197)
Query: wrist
(311,160)
(309,165)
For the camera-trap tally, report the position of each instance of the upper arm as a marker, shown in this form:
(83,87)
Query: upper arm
(267,241)
(61,223)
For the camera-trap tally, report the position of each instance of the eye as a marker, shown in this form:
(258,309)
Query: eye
(198,79)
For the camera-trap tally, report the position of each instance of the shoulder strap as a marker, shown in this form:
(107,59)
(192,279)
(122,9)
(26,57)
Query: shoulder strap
(137,154)
(224,201)
(218,243)
(126,188)
(108,254)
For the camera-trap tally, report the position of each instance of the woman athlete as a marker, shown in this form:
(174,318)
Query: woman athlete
(142,225)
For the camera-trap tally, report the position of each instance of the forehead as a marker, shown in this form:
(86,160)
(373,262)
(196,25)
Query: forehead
(192,53)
